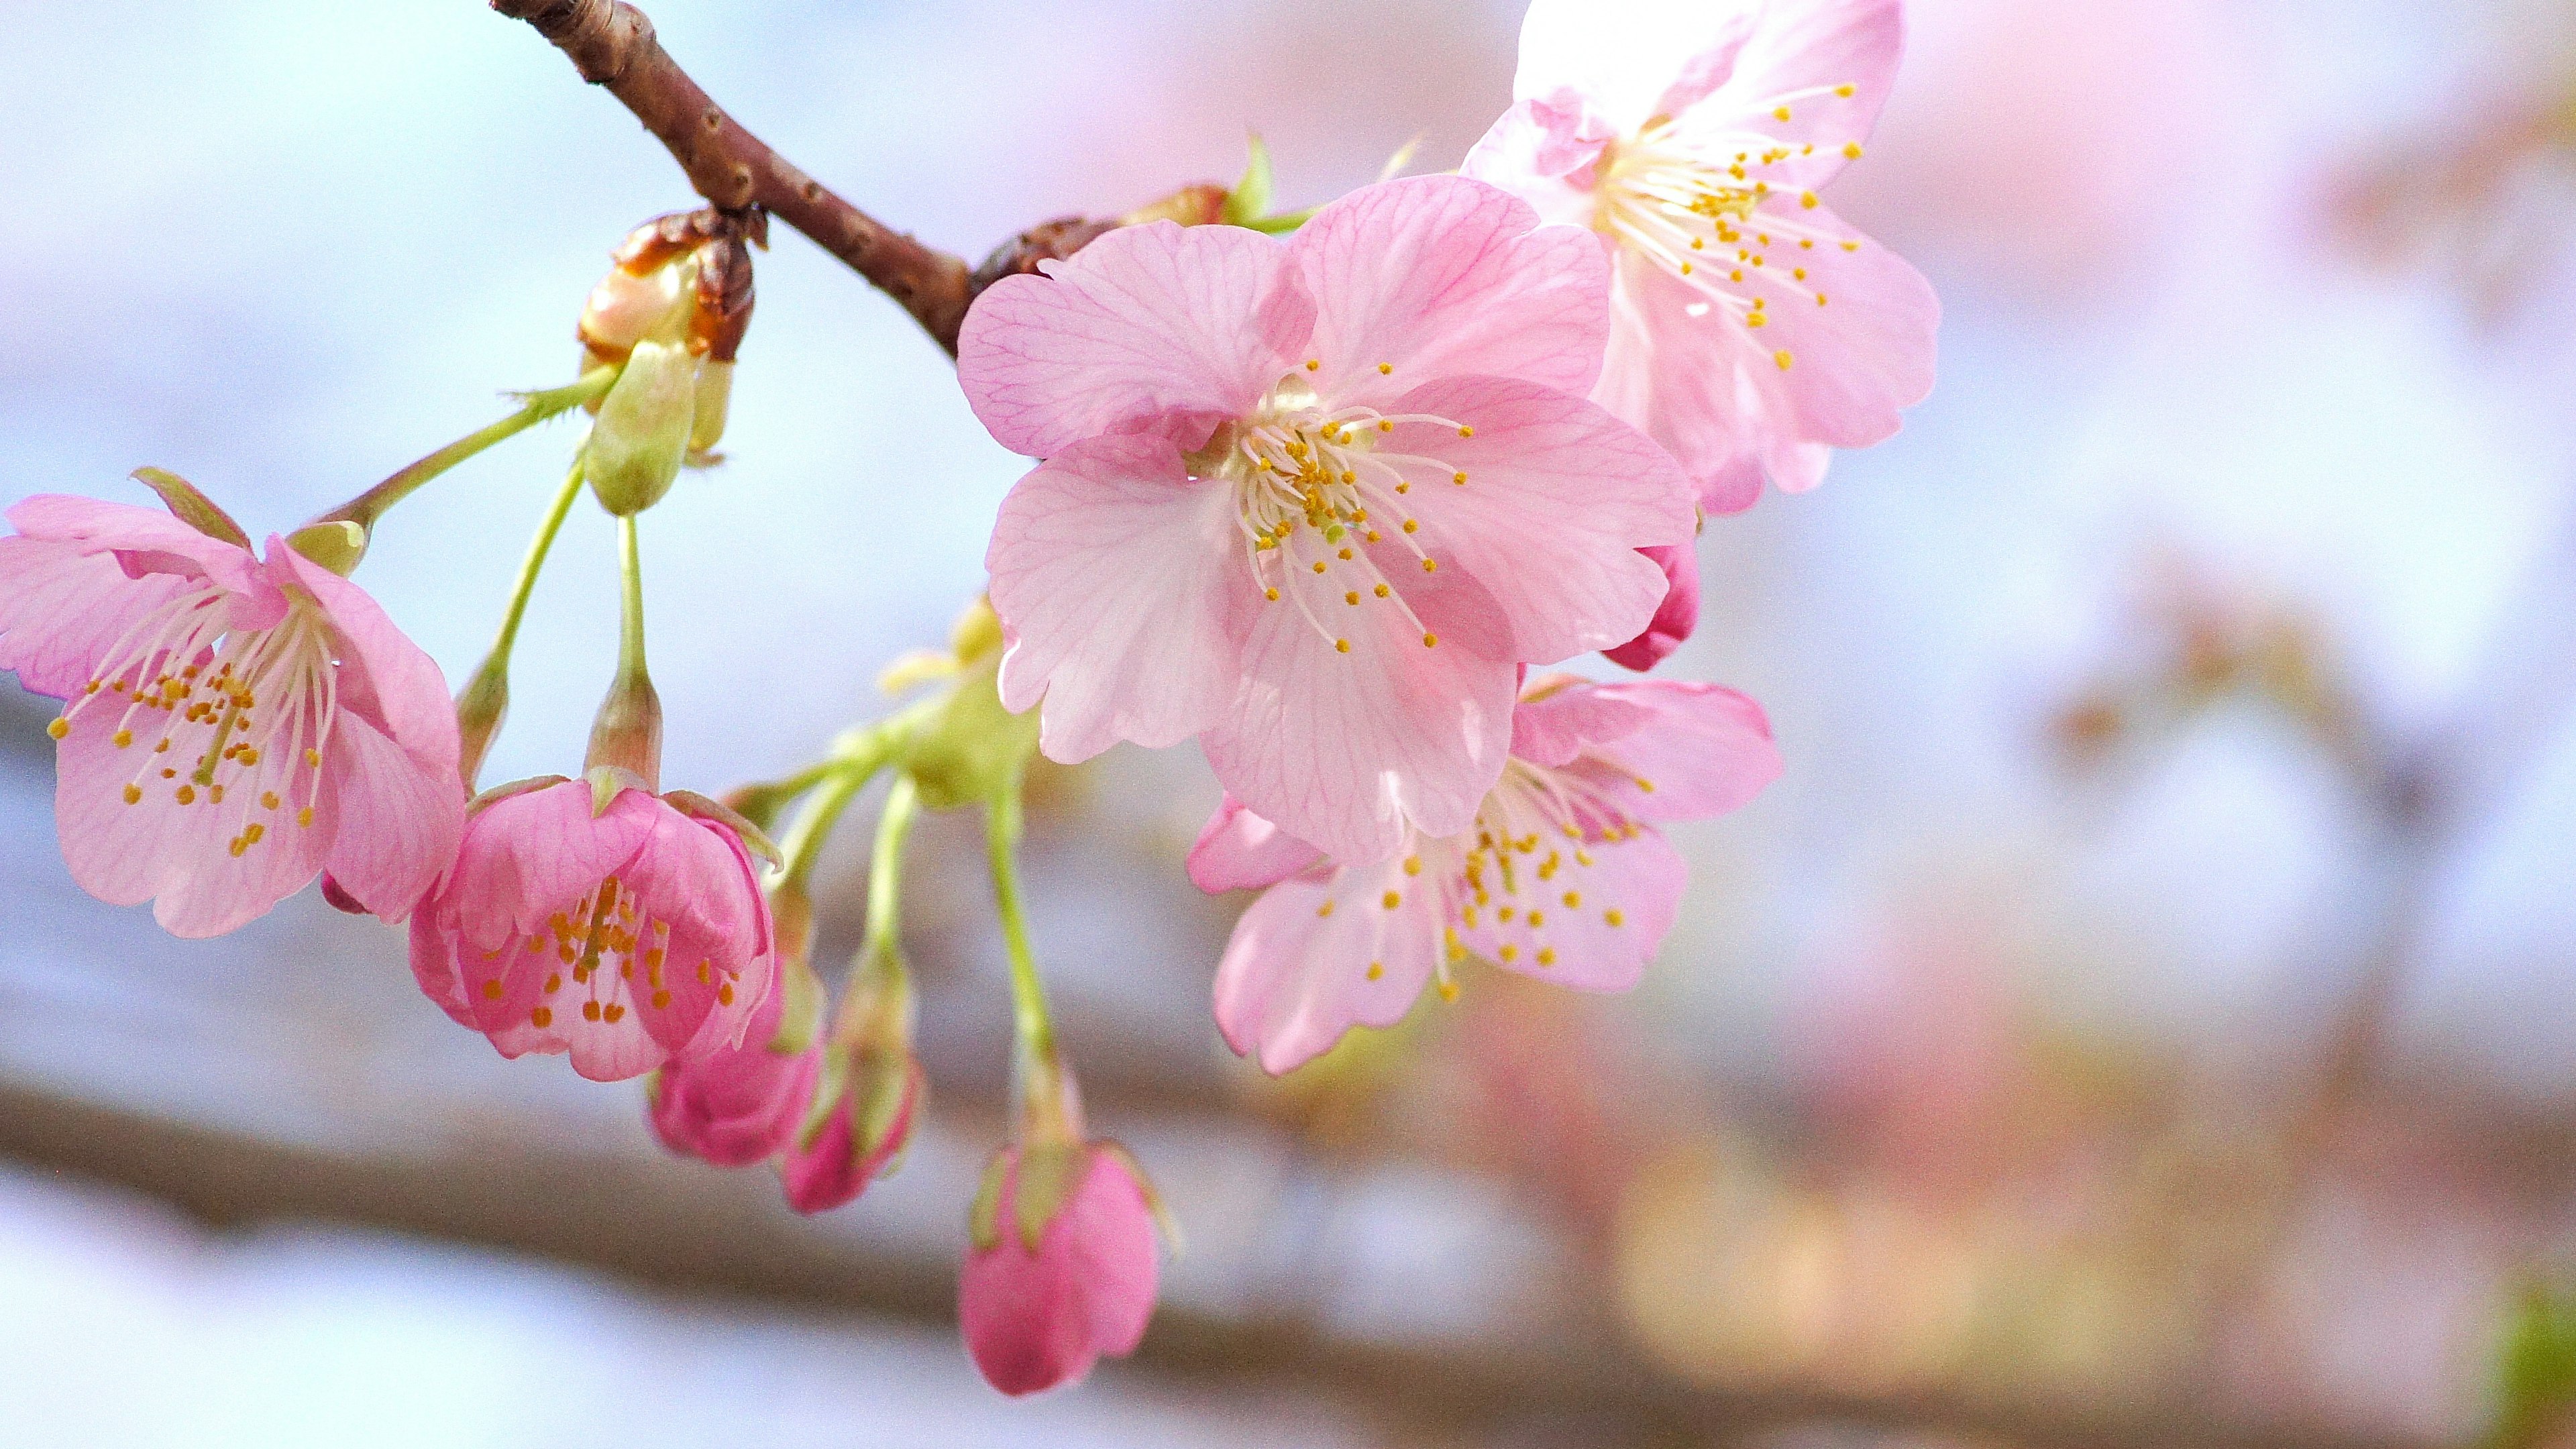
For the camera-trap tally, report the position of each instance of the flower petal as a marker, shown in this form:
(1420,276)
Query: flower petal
(1561,724)
(62,609)
(400,816)
(531,854)
(1156,328)
(1559,498)
(1436,276)
(1238,850)
(1800,56)
(1347,749)
(1675,617)
(1703,750)
(384,676)
(1546,151)
(1593,923)
(1322,953)
(1116,576)
(1855,363)
(1621,56)
(147,540)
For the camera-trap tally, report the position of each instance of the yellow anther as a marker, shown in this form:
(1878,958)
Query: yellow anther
(1465,431)
(1392,899)
(724,994)
(1547,955)
(1808,200)
(542,1017)
(1614,918)
(1313,363)
(304,816)
(1430,641)
(554,981)
(122,738)
(1413,865)
(1820,299)
(1341,646)
(215,794)
(1783,358)
(1573,899)
(1271,594)
(1448,989)
(1319,566)
(1851,149)
(1851,246)
(1382,591)
(1403,487)
(133,794)
(1686,269)
(1536,918)
(1430,566)
(1781,114)
(1386,425)
(492,989)
(1510,953)
(1376,970)
(590,1011)
(1845,91)
(59,728)
(1799,273)
(187,795)
(1344,554)
(1325,909)
(1372,535)
(1410,525)
(1384,368)
(1459,478)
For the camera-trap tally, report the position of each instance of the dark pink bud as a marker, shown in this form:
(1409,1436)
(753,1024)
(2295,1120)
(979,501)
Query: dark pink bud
(1061,1267)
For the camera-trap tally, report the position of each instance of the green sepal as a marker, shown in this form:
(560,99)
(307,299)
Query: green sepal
(336,545)
(1049,1174)
(1249,201)
(606,782)
(893,1079)
(1283,223)
(499,793)
(191,507)
(830,1085)
(697,806)
(800,1012)
(984,1216)
(2535,1371)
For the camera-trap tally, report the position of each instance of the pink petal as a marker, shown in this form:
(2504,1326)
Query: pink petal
(1346,750)
(694,877)
(1638,880)
(1705,749)
(738,1107)
(178,855)
(1546,151)
(1675,617)
(384,676)
(1559,498)
(1858,361)
(528,855)
(1297,973)
(1239,850)
(1436,276)
(1032,1321)
(1623,56)
(433,966)
(1562,724)
(830,1171)
(61,610)
(1814,45)
(1150,328)
(148,540)
(400,817)
(1116,575)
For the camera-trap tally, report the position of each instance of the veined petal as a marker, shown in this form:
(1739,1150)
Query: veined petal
(62,609)
(1117,577)
(1800,57)
(1555,728)
(1559,498)
(1854,364)
(524,857)
(1621,56)
(1702,750)
(1239,850)
(146,540)
(1592,923)
(1323,952)
(1546,151)
(1436,276)
(1158,328)
(1346,749)
(400,817)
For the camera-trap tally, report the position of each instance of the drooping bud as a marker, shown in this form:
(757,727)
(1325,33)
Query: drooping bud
(642,435)
(867,1095)
(1060,1267)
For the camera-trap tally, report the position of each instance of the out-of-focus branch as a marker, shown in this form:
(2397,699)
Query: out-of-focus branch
(612,44)
(622,1213)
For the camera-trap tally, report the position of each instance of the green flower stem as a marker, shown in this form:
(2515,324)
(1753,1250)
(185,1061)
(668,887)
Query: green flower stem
(487,694)
(1035,1030)
(885,876)
(630,618)
(535,408)
(856,759)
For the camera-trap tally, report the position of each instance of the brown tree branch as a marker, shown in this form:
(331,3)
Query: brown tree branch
(612,44)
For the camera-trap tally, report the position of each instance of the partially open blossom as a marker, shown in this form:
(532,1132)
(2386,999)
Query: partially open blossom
(670,315)
(1061,1265)
(234,723)
(1315,501)
(627,932)
(1560,878)
(1752,330)
(1675,617)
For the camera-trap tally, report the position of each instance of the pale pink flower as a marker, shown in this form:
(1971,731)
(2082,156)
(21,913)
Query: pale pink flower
(1560,878)
(1752,330)
(627,936)
(1039,1307)
(234,725)
(1315,501)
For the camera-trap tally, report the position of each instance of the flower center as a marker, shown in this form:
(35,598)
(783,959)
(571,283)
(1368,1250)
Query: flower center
(1327,504)
(236,715)
(1720,206)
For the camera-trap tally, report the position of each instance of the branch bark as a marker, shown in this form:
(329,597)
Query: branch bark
(612,44)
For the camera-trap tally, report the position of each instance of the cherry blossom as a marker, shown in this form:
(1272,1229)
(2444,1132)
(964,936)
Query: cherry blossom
(1315,502)
(1062,1265)
(1561,876)
(1753,331)
(234,724)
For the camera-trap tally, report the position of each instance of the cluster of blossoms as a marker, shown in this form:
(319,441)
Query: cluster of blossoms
(1316,491)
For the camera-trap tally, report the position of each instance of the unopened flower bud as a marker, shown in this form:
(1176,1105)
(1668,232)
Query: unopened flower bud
(642,435)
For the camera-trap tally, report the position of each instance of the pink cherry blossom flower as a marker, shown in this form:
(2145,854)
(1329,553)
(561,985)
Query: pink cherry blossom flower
(1561,877)
(1315,501)
(741,1106)
(627,936)
(234,725)
(1752,330)
(1038,1304)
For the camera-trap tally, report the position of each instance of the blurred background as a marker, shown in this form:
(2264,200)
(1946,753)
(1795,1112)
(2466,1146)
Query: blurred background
(2138,1017)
